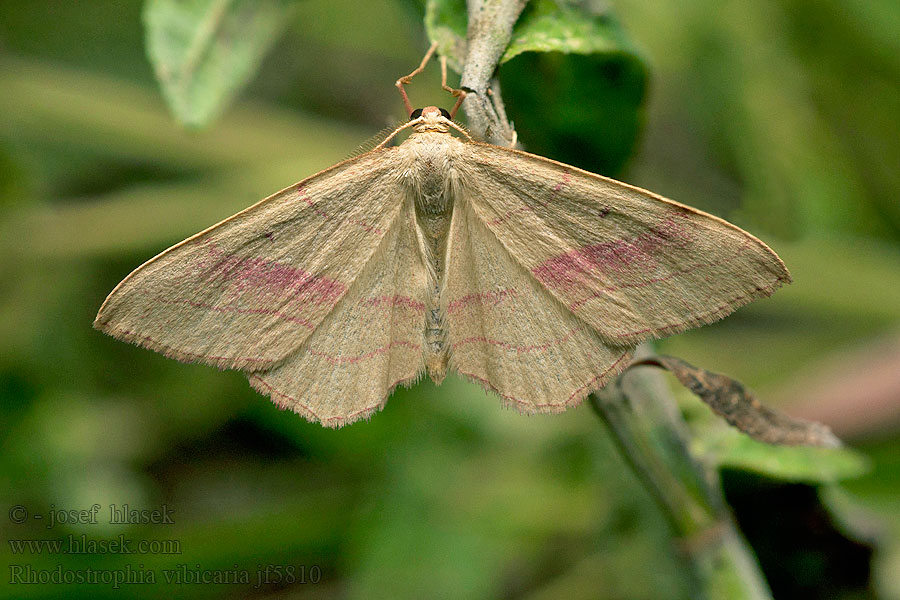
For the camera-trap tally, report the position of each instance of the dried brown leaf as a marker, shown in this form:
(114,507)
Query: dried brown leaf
(736,404)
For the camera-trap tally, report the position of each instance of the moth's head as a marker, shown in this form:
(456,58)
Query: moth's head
(430,118)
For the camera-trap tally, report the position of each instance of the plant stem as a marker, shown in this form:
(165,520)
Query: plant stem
(488,34)
(644,422)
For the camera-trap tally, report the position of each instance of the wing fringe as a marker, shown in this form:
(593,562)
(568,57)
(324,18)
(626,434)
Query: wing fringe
(287,402)
(575,398)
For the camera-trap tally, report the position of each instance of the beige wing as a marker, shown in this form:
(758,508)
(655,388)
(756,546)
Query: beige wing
(248,291)
(369,344)
(631,264)
(508,333)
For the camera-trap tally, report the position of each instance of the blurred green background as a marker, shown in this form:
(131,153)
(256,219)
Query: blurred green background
(781,115)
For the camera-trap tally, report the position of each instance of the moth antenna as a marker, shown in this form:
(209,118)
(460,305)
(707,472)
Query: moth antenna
(462,130)
(384,143)
(382,139)
(407,78)
(459,94)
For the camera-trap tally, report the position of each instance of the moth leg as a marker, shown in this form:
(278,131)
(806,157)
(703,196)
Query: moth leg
(459,94)
(407,78)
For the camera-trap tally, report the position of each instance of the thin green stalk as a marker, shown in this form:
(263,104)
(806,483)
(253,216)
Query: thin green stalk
(643,420)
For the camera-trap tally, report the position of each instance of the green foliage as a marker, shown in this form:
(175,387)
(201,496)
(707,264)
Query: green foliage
(585,110)
(445,23)
(725,447)
(570,28)
(205,51)
(442,486)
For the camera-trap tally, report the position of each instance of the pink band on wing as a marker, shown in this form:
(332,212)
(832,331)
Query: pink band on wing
(570,271)
(661,279)
(253,273)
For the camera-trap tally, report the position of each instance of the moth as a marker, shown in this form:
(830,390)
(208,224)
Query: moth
(532,278)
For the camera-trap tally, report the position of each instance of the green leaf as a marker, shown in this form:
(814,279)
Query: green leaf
(723,446)
(729,448)
(545,26)
(445,23)
(204,51)
(558,26)
(581,110)
(586,110)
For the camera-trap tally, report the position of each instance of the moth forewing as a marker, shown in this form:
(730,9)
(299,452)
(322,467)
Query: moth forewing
(630,263)
(247,292)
